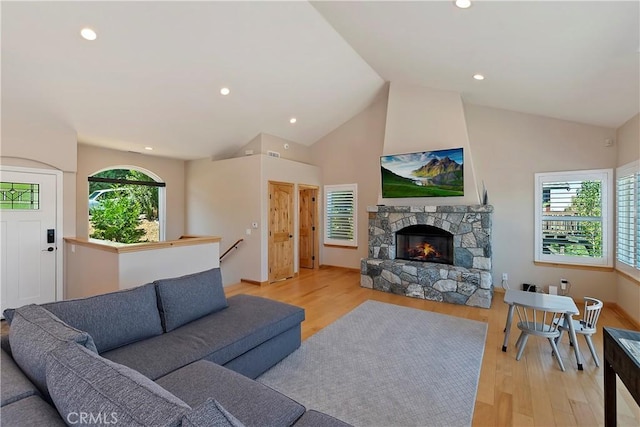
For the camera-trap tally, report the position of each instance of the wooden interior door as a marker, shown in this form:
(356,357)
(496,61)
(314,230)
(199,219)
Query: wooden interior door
(307,236)
(280,230)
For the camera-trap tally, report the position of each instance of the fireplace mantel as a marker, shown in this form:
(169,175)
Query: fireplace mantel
(468,281)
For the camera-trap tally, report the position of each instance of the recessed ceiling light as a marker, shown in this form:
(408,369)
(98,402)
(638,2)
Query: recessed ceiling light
(148,148)
(463,4)
(225,91)
(292,120)
(478,76)
(88,34)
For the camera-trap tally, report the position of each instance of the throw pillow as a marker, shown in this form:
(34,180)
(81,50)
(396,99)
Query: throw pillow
(8,314)
(184,299)
(35,332)
(83,383)
(210,414)
(114,319)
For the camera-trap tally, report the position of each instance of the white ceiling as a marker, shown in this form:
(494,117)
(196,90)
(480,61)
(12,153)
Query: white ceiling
(152,78)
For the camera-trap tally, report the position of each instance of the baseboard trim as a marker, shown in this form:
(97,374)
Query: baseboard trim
(623,313)
(266,282)
(340,267)
(254,282)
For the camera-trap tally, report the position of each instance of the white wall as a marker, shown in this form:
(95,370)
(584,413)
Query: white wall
(351,155)
(508,149)
(139,267)
(425,119)
(296,152)
(34,138)
(264,142)
(93,159)
(89,271)
(628,150)
(225,197)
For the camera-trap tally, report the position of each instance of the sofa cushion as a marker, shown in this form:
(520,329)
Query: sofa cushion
(31,411)
(114,319)
(81,381)
(35,332)
(209,414)
(219,337)
(14,385)
(187,298)
(252,403)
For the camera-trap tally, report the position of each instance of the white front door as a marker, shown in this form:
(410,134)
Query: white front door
(28,237)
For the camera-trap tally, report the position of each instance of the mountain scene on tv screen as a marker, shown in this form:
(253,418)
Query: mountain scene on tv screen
(426,174)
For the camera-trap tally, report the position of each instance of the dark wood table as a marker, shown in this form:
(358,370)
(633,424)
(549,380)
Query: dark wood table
(618,360)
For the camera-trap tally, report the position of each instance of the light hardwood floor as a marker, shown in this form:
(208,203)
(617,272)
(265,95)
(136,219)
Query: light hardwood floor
(531,392)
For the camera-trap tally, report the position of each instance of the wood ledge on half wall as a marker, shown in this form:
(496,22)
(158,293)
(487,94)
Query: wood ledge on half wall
(116,247)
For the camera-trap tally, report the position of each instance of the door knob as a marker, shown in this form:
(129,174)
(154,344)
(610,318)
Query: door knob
(49,249)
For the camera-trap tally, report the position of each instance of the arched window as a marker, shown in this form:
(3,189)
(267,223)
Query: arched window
(126,205)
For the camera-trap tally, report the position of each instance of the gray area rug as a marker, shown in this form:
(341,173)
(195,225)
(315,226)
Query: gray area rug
(387,365)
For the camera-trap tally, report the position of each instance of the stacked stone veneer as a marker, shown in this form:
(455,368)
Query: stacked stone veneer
(468,281)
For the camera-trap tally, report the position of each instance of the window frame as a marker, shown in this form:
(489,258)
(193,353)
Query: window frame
(607,218)
(624,171)
(330,241)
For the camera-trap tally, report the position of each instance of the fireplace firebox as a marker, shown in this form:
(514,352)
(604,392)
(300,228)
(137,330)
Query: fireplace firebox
(425,243)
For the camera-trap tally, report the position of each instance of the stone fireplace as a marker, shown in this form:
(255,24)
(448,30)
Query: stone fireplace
(440,253)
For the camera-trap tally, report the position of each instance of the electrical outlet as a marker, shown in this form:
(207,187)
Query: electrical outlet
(505,276)
(563,284)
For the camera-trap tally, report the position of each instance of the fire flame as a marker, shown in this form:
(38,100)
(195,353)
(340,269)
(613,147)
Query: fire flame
(424,251)
(428,250)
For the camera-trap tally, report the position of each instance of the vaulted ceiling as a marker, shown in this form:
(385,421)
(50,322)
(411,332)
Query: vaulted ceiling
(153,75)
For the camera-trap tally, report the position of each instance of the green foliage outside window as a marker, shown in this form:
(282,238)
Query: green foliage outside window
(146,196)
(117,220)
(587,203)
(126,210)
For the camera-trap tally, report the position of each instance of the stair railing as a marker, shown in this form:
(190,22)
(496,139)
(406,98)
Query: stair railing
(234,246)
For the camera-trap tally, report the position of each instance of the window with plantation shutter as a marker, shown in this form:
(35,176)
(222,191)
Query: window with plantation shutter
(574,217)
(627,218)
(341,215)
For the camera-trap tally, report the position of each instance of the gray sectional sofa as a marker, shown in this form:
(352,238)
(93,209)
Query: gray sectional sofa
(175,352)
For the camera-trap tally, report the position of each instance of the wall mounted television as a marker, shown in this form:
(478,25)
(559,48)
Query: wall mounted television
(437,173)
